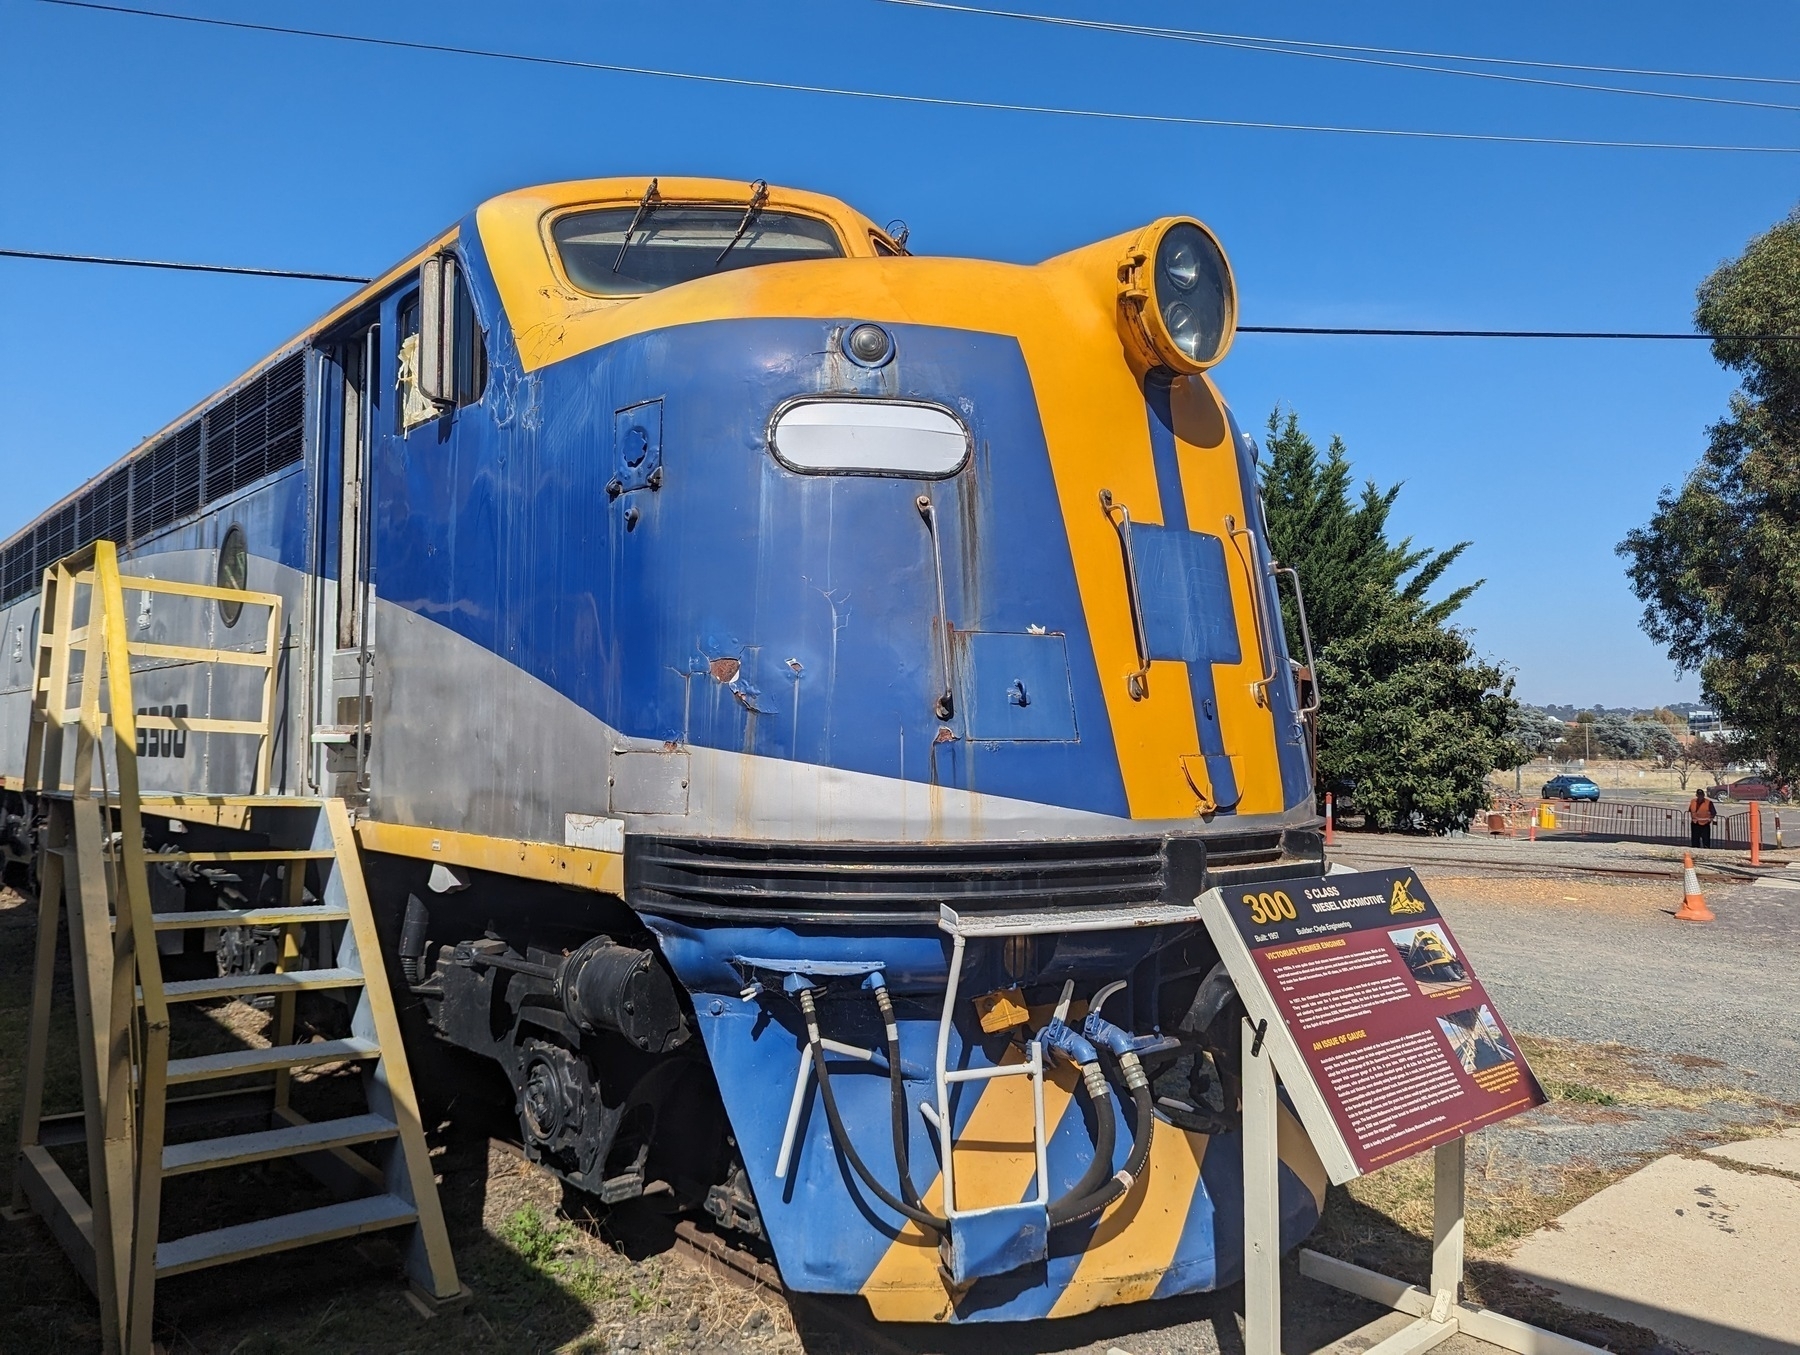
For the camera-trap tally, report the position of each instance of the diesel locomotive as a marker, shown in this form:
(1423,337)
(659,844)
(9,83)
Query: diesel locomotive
(790,691)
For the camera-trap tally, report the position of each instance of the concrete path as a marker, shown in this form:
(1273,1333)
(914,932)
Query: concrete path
(1703,1252)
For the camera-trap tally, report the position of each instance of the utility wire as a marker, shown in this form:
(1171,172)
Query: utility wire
(1278,47)
(921,100)
(1502,333)
(179,267)
(1402,51)
(1241,329)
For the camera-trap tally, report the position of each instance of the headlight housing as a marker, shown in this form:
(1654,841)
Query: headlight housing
(1177,298)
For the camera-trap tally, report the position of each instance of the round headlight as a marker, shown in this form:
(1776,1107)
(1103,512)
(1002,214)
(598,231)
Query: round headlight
(1177,288)
(870,345)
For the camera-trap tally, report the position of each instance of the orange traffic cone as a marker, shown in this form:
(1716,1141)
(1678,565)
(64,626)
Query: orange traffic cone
(1693,902)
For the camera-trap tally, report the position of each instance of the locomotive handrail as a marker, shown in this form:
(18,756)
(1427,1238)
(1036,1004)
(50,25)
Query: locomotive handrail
(946,704)
(1312,708)
(1137,683)
(1261,686)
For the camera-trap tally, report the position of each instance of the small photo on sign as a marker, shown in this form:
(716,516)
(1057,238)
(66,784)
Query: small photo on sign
(1475,1039)
(1431,958)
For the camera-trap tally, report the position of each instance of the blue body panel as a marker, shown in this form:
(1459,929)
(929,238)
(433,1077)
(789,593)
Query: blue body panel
(745,606)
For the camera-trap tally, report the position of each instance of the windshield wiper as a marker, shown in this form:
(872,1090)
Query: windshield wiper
(759,194)
(646,205)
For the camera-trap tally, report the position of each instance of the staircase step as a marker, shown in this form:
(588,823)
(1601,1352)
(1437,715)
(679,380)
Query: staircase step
(231,1149)
(269,854)
(249,985)
(281,1233)
(271,1060)
(246,917)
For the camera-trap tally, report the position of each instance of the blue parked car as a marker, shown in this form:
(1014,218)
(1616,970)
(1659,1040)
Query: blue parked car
(1570,788)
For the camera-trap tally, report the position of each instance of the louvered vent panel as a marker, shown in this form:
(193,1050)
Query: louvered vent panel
(248,435)
(17,568)
(258,430)
(165,481)
(105,509)
(56,536)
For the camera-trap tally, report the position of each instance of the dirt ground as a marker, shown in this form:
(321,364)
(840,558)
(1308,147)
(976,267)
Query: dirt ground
(545,1283)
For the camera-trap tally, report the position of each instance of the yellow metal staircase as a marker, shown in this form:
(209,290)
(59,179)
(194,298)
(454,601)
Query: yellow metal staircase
(95,864)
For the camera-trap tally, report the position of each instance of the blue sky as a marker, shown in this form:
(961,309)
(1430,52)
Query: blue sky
(144,137)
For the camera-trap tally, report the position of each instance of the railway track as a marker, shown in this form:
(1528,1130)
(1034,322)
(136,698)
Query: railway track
(710,1251)
(719,1256)
(1712,872)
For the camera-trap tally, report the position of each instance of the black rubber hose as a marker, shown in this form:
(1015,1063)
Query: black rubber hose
(920,1216)
(1122,1181)
(902,1140)
(1106,1131)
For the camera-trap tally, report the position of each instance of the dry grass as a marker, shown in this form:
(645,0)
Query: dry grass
(1506,1201)
(1605,773)
(1589,894)
(1618,1075)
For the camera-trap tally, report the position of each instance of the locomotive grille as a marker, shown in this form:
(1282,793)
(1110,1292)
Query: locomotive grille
(251,433)
(887,883)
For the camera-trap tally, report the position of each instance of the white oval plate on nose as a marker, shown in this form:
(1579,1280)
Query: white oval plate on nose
(869,437)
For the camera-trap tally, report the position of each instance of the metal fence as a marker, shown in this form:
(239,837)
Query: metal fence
(1635,821)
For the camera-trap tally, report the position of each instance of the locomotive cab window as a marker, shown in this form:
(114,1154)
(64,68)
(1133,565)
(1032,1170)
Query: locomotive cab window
(628,251)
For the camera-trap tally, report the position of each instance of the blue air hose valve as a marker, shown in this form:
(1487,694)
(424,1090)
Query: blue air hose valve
(1071,1045)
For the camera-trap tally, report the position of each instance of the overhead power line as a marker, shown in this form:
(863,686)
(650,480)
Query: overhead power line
(1397,51)
(1325,52)
(1501,333)
(1242,329)
(921,100)
(180,267)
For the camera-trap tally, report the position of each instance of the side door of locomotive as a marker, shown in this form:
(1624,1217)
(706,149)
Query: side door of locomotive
(354,397)
(408,361)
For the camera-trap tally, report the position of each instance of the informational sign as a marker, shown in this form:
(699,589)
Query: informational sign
(1381,1031)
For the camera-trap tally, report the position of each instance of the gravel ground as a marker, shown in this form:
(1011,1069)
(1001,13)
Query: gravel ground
(1599,960)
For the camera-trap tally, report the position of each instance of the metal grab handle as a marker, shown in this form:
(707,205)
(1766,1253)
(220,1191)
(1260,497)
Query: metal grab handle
(1138,683)
(946,704)
(1261,686)
(1305,638)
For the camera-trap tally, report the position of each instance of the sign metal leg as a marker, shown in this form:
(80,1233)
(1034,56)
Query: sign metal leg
(1448,1185)
(1262,1202)
(1439,1311)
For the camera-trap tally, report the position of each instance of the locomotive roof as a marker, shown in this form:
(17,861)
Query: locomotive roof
(517,218)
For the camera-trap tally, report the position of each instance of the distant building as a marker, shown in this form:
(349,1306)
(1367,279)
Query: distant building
(1706,724)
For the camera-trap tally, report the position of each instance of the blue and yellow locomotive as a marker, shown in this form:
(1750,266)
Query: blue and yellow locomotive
(791,691)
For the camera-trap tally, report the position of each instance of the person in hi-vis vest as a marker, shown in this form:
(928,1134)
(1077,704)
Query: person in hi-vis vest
(1700,818)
